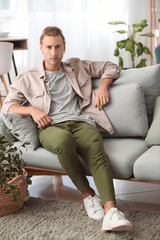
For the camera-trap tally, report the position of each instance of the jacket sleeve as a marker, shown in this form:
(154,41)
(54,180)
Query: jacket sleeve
(102,70)
(15,95)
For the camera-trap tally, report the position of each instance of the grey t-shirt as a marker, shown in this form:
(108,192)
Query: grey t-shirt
(65,102)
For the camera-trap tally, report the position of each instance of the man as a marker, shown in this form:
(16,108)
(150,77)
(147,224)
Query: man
(62,103)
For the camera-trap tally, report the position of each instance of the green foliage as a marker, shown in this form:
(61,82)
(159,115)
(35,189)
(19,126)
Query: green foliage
(11,165)
(131,43)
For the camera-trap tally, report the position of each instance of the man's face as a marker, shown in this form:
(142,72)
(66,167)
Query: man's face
(52,48)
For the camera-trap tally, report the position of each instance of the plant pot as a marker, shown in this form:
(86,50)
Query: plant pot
(7,206)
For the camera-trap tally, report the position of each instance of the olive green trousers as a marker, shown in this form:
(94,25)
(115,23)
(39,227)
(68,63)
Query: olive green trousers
(70,138)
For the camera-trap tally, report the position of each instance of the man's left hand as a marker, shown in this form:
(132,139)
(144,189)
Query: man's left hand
(102,97)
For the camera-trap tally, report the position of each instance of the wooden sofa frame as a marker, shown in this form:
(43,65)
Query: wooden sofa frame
(36,171)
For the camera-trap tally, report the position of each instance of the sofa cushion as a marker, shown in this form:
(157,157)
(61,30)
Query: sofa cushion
(153,136)
(147,166)
(149,77)
(3,130)
(24,127)
(123,152)
(127,111)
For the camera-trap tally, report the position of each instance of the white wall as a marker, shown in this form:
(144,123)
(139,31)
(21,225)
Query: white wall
(84,23)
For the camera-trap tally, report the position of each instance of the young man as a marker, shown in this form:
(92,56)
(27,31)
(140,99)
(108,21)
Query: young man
(62,103)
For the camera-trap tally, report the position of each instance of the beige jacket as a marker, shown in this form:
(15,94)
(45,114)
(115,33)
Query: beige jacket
(32,86)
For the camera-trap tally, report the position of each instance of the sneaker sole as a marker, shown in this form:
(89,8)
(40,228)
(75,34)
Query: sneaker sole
(118,228)
(98,219)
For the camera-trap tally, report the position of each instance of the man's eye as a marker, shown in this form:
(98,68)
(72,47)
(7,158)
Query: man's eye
(48,47)
(57,47)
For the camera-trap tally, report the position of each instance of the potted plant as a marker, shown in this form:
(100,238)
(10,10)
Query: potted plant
(13,179)
(131,43)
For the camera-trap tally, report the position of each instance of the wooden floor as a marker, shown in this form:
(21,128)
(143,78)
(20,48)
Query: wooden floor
(129,195)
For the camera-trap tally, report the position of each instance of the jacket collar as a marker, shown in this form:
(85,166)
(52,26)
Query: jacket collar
(42,70)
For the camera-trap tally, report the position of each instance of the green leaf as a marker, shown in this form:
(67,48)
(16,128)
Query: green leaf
(29,181)
(11,120)
(7,192)
(130,45)
(2,155)
(138,27)
(13,187)
(17,193)
(15,199)
(147,51)
(120,62)
(26,198)
(11,150)
(116,23)
(4,162)
(143,23)
(140,49)
(116,52)
(26,209)
(2,137)
(147,35)
(16,134)
(142,63)
(121,31)
(121,44)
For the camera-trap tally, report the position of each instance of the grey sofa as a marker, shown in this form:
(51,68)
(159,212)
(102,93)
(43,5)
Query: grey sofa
(134,148)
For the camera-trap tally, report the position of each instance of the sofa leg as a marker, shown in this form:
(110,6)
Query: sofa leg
(58,181)
(64,192)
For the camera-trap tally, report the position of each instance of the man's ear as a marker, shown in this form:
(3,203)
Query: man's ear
(41,48)
(64,47)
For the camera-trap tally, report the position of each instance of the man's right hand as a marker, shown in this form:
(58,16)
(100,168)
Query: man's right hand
(41,118)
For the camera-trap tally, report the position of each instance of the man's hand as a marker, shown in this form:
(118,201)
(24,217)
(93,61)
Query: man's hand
(102,97)
(41,118)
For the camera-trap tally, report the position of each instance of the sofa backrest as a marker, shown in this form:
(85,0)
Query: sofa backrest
(148,77)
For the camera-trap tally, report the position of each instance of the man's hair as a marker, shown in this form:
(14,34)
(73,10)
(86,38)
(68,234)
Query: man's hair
(53,32)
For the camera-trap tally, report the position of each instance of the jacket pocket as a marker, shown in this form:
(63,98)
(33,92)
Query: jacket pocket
(83,80)
(37,99)
(39,94)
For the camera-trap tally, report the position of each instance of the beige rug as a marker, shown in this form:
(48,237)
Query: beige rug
(59,220)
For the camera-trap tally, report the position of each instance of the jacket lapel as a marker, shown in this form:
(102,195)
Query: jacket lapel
(69,71)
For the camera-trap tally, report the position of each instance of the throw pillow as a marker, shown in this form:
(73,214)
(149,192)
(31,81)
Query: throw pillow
(24,127)
(127,111)
(149,77)
(3,128)
(153,136)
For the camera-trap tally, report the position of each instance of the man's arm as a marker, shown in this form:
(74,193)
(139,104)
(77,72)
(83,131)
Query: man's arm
(102,97)
(108,72)
(101,69)
(39,116)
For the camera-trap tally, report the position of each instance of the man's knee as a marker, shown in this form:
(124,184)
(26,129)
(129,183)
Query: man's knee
(63,143)
(64,140)
(55,141)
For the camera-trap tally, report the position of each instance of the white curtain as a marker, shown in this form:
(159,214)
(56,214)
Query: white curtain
(83,22)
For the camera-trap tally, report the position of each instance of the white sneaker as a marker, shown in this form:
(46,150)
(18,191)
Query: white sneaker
(94,207)
(115,220)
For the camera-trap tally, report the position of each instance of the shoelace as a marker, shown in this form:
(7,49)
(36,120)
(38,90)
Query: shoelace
(115,214)
(95,203)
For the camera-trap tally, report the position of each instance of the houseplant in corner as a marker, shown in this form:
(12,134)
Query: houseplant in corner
(13,179)
(132,44)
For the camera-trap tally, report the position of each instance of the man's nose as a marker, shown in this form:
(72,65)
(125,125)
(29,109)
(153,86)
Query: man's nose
(53,51)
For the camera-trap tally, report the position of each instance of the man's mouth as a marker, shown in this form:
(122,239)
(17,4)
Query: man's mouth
(54,58)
